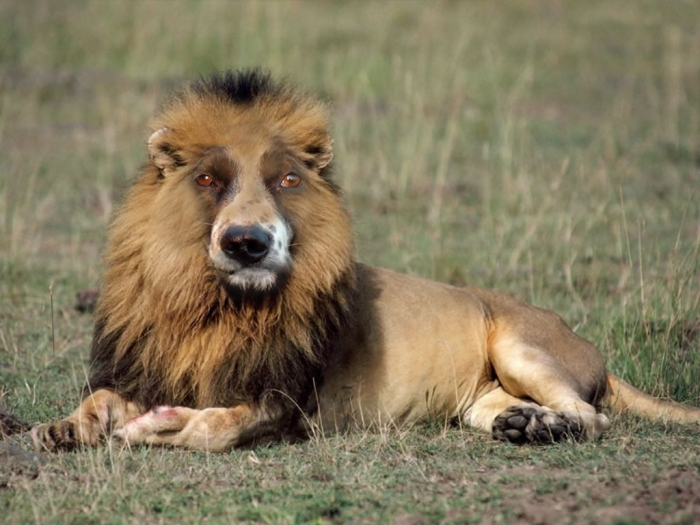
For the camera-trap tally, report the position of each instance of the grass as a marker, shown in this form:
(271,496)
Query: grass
(551,150)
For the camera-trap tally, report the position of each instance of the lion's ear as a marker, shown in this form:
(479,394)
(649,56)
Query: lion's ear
(162,152)
(322,152)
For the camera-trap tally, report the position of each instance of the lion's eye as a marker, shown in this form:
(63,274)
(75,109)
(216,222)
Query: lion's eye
(206,180)
(291,180)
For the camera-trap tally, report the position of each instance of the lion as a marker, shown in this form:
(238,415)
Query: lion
(232,308)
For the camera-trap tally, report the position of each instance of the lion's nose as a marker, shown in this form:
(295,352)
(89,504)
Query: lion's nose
(246,245)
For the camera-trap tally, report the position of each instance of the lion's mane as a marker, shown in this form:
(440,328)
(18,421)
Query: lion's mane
(167,332)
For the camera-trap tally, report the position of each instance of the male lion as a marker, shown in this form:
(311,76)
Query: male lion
(232,307)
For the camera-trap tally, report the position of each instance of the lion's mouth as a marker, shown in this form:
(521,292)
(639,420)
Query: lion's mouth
(256,278)
(253,281)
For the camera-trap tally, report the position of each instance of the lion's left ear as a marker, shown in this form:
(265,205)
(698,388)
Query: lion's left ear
(322,152)
(162,152)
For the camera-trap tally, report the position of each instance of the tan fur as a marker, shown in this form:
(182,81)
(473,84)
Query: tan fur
(180,359)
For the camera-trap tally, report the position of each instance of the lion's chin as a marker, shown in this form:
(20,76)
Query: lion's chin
(254,283)
(260,279)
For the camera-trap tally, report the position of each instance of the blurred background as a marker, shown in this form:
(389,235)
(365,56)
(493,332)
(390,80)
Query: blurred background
(547,149)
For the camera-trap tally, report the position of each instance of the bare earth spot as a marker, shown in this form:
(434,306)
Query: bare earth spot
(16,462)
(409,519)
(671,497)
(86,299)
(9,424)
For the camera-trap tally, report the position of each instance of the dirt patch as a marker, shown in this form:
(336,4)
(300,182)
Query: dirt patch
(670,497)
(16,462)
(9,424)
(86,300)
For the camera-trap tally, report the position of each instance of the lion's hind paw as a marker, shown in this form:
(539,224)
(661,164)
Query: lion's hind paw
(530,424)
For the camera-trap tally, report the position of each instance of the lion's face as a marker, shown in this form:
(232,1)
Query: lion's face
(262,200)
(252,232)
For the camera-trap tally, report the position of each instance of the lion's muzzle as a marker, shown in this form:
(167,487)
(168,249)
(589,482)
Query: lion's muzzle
(252,256)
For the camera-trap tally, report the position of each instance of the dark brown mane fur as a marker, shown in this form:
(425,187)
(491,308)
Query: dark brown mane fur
(167,332)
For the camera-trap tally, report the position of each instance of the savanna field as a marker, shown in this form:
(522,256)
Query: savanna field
(550,150)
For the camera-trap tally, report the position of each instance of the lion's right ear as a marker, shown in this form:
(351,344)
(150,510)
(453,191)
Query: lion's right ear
(162,152)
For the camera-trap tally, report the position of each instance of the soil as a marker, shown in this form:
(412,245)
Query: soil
(16,463)
(645,500)
(672,497)
(9,424)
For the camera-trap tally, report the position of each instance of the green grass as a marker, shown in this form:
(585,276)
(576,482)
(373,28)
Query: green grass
(547,149)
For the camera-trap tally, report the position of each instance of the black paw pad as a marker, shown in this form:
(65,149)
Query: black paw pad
(526,424)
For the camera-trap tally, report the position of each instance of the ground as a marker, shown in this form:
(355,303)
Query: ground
(547,149)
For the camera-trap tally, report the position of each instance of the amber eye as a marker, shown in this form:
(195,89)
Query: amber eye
(206,180)
(291,180)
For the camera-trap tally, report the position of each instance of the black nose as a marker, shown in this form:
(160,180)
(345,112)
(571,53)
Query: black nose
(246,245)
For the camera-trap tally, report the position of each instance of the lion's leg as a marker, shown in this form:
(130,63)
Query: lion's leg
(97,416)
(212,429)
(531,373)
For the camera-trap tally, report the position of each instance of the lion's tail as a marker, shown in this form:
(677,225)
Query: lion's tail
(625,398)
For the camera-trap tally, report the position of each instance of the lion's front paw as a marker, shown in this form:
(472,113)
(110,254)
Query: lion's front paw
(529,424)
(64,435)
(157,426)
